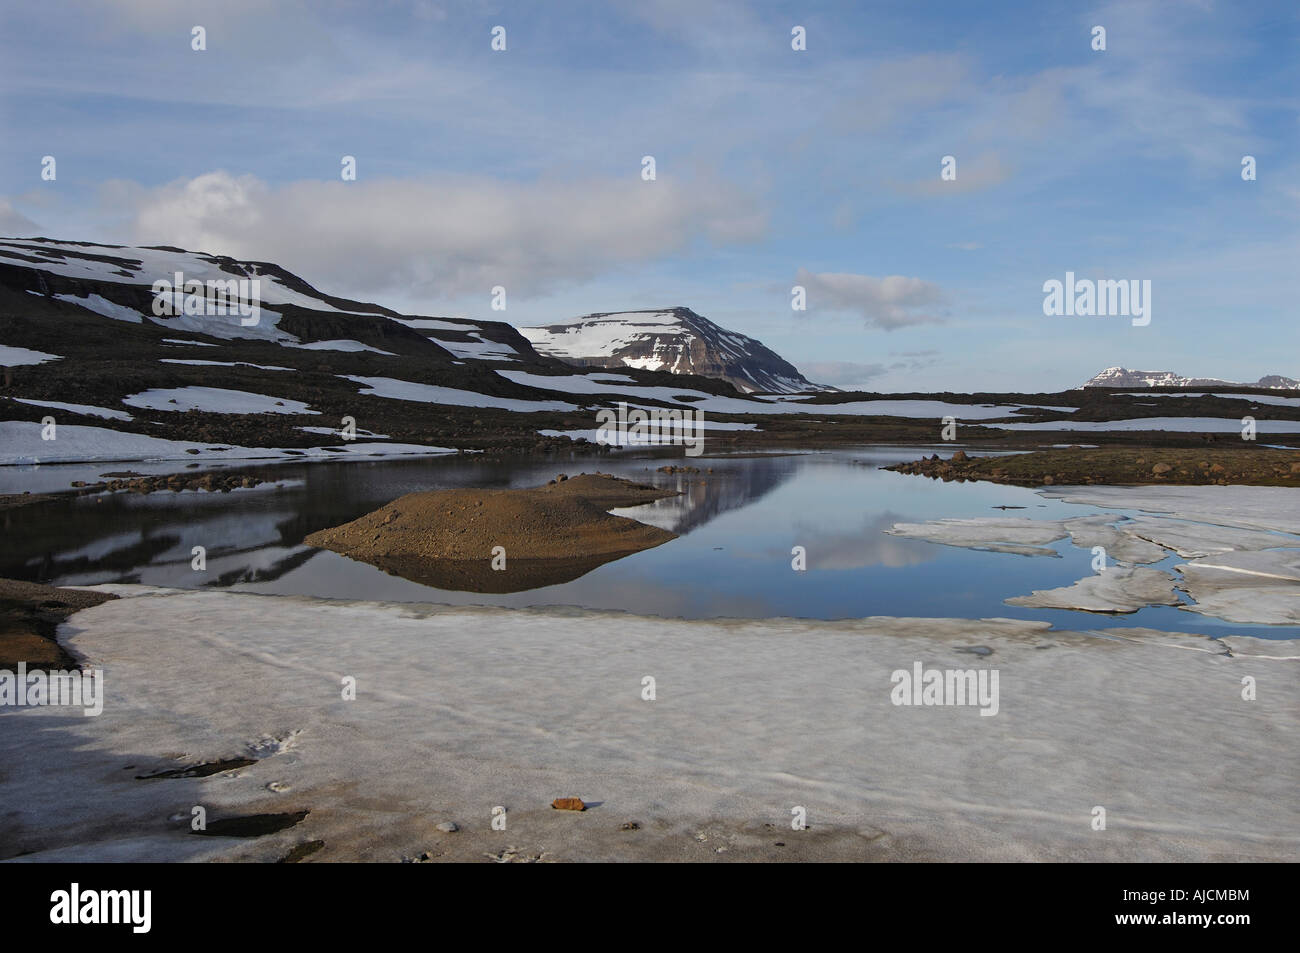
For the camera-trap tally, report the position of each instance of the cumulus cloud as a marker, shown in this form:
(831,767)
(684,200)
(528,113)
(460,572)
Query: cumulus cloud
(14,224)
(888,303)
(444,235)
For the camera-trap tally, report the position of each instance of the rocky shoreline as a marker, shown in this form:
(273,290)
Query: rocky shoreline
(1080,466)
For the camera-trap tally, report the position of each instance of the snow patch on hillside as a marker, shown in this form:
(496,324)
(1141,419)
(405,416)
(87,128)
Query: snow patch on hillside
(215,400)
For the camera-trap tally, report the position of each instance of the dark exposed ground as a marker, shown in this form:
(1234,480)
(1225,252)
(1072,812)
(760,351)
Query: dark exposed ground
(1255,466)
(30,614)
(11,501)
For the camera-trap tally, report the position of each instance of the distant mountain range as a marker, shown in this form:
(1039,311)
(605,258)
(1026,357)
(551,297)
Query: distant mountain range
(1123,377)
(676,340)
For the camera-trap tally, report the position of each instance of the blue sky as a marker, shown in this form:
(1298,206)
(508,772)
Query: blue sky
(774,167)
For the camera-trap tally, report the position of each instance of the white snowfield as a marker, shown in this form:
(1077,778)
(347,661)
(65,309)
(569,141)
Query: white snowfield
(263,367)
(480,349)
(341,345)
(458,710)
(88,410)
(334,431)
(215,400)
(710,403)
(451,396)
(665,433)
(434,324)
(21,445)
(22,356)
(108,309)
(1176,424)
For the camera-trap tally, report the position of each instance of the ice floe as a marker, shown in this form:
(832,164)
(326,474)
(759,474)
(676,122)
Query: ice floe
(1116,589)
(1246,586)
(1248,570)
(1020,535)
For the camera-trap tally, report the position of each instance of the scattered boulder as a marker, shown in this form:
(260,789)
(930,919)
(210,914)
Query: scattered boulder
(568,804)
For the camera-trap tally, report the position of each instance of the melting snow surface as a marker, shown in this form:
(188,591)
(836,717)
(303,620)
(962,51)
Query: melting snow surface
(215,400)
(89,410)
(451,396)
(341,345)
(108,309)
(264,367)
(21,444)
(1176,424)
(20,356)
(462,708)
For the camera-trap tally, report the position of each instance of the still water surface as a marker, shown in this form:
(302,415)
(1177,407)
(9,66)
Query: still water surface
(736,525)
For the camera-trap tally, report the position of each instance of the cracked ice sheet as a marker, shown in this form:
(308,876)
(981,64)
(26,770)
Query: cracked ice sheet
(1089,531)
(1191,539)
(461,709)
(1246,586)
(1117,589)
(1015,534)
(1251,507)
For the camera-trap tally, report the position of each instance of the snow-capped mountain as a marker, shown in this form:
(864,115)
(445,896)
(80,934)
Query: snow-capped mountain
(1123,377)
(676,340)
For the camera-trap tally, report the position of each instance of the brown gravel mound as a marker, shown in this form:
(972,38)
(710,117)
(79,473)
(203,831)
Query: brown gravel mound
(551,534)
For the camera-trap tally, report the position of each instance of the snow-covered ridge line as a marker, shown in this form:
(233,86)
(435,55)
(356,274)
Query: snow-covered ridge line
(1123,377)
(675,340)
